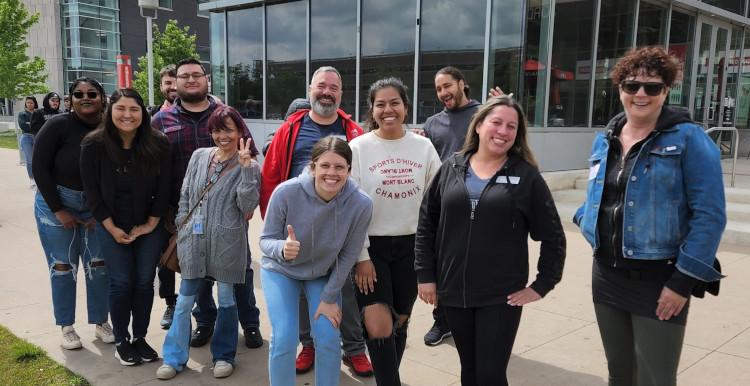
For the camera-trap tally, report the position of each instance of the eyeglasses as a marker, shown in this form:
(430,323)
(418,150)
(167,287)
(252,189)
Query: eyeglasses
(337,168)
(651,88)
(90,94)
(196,76)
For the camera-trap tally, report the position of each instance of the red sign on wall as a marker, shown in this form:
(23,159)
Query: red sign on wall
(124,72)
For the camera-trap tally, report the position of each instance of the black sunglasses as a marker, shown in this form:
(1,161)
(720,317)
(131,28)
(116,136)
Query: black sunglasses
(90,94)
(651,88)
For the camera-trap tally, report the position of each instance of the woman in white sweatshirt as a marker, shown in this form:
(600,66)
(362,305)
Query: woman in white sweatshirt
(394,166)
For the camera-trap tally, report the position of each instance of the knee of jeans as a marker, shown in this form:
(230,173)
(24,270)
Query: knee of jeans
(226,295)
(326,338)
(96,267)
(402,324)
(378,320)
(61,268)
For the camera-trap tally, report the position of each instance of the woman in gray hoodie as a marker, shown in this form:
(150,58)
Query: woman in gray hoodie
(314,229)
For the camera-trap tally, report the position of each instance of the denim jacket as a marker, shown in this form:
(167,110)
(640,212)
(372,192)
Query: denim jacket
(674,201)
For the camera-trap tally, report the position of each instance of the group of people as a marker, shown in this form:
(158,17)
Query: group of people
(358,224)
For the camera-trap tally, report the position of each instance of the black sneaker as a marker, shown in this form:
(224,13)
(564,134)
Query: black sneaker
(127,354)
(253,339)
(201,336)
(437,333)
(145,351)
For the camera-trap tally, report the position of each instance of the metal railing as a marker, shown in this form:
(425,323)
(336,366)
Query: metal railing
(735,144)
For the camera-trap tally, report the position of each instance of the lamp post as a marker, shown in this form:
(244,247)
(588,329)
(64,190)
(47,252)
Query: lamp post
(150,5)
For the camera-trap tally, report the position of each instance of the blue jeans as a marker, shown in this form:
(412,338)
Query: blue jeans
(282,300)
(132,268)
(247,312)
(27,147)
(67,246)
(176,349)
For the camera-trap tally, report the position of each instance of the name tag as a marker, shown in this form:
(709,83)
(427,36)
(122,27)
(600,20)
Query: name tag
(504,180)
(670,148)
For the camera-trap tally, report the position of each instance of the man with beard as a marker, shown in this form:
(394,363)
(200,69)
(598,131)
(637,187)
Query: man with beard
(447,131)
(50,108)
(288,154)
(186,125)
(168,87)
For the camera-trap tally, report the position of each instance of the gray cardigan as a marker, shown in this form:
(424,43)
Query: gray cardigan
(221,251)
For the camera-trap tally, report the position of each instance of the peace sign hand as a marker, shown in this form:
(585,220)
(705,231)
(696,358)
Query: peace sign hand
(244,154)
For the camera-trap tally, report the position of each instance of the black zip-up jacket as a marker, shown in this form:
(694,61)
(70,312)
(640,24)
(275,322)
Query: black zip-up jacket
(478,257)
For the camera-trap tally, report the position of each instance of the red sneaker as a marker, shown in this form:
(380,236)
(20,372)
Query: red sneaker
(359,364)
(306,359)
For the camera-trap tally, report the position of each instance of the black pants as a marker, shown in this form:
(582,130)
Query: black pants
(640,350)
(438,313)
(484,339)
(166,285)
(396,288)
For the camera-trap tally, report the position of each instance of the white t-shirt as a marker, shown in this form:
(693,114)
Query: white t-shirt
(395,174)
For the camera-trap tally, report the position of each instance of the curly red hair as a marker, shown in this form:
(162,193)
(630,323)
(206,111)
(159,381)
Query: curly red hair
(649,61)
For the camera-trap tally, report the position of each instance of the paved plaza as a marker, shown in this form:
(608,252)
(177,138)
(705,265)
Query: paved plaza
(558,342)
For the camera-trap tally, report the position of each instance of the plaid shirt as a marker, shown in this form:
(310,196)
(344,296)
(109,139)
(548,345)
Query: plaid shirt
(186,134)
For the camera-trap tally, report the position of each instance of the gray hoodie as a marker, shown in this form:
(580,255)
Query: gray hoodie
(447,129)
(331,234)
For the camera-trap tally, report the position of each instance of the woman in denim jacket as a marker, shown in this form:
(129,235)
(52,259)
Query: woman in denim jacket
(654,214)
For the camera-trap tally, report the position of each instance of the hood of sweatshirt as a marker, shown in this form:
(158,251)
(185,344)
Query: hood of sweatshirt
(45,103)
(670,116)
(472,104)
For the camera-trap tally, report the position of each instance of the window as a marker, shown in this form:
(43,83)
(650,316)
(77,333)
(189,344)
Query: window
(681,45)
(245,56)
(387,46)
(652,25)
(335,18)
(450,36)
(615,39)
(570,80)
(166,4)
(286,56)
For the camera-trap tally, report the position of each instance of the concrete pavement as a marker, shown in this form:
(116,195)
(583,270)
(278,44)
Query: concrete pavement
(558,342)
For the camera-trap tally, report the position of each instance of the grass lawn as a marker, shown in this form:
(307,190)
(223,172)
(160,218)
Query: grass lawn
(22,363)
(8,140)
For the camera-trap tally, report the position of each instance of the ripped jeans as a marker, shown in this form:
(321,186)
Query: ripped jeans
(72,246)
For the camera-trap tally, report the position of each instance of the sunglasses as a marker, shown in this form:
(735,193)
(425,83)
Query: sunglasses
(215,176)
(90,94)
(651,88)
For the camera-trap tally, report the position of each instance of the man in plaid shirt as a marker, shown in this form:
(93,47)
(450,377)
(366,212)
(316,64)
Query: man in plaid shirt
(186,126)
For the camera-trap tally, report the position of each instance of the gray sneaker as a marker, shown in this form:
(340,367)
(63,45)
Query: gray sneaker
(70,340)
(166,319)
(437,333)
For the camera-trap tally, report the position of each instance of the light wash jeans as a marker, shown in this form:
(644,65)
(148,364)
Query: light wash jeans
(176,349)
(282,299)
(67,246)
(27,147)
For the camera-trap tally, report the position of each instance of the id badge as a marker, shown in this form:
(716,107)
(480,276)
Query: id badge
(198,224)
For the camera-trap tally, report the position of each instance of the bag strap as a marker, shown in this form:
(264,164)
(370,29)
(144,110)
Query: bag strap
(211,185)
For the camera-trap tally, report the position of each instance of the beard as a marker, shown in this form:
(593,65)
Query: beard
(323,110)
(458,100)
(193,97)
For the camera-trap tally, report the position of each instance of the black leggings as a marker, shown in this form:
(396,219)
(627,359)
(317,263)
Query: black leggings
(640,350)
(484,339)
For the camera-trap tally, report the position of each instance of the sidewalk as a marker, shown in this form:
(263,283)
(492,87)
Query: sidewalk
(558,342)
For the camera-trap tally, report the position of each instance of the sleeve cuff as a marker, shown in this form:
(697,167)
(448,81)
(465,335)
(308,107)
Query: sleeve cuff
(681,283)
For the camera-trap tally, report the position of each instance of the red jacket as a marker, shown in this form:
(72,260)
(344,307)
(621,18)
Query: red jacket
(278,161)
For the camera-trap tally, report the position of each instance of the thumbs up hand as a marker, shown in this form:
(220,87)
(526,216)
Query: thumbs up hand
(291,245)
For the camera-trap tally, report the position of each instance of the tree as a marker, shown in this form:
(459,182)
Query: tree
(21,75)
(169,47)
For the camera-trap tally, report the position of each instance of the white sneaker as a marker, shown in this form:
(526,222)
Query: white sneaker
(223,369)
(70,340)
(104,332)
(165,371)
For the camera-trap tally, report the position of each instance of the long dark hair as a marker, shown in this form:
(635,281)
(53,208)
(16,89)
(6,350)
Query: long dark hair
(148,144)
(370,123)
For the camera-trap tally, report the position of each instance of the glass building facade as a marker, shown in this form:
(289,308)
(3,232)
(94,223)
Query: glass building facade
(90,40)
(554,55)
